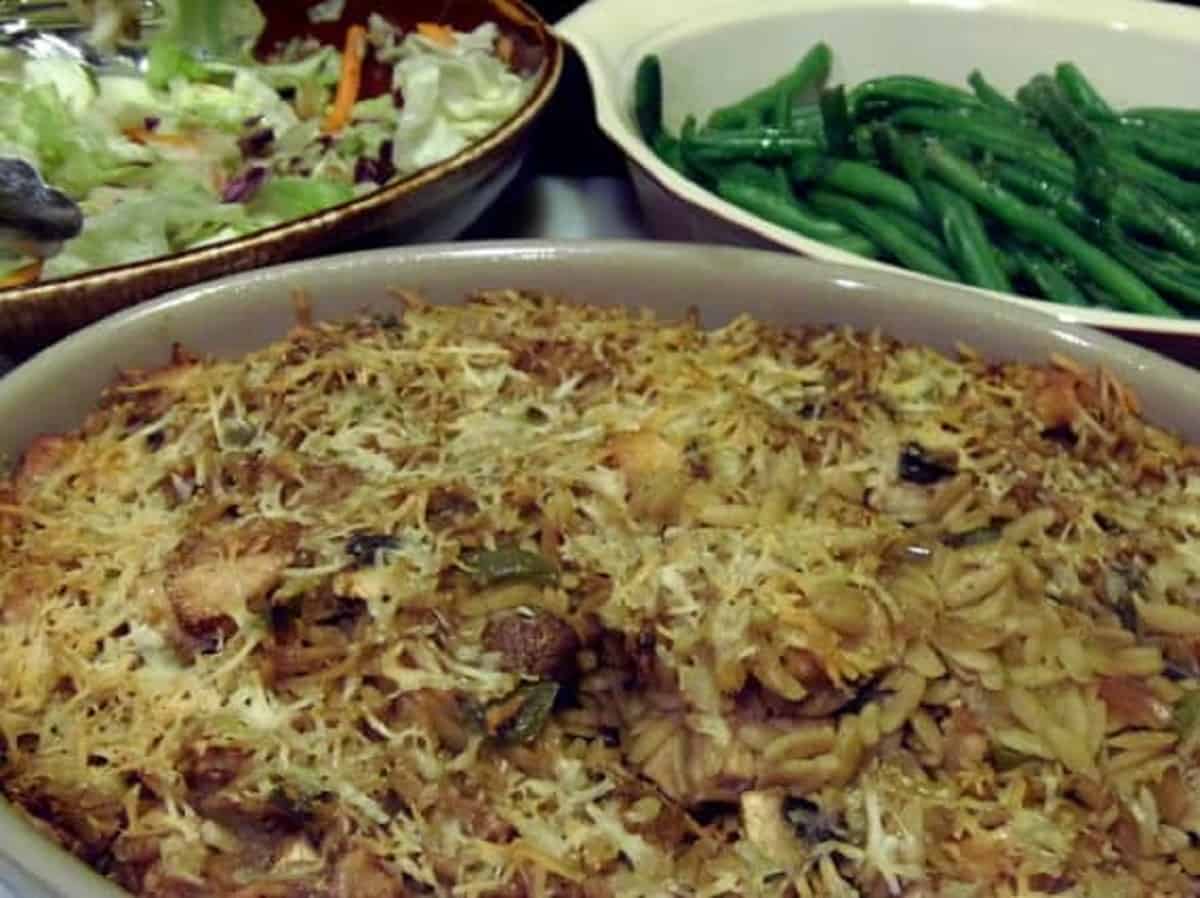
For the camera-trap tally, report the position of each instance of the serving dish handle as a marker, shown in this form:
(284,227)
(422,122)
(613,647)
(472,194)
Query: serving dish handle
(608,33)
(608,26)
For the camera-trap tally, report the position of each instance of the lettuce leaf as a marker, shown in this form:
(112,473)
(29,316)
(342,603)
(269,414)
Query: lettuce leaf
(144,224)
(73,158)
(281,199)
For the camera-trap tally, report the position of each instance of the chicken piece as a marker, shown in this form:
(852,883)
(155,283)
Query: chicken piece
(213,580)
(655,474)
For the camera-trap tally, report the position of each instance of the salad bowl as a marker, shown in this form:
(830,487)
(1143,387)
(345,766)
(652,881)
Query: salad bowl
(435,202)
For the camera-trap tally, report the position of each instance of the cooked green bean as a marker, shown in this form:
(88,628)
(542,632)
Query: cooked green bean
(1176,280)
(965,236)
(892,240)
(835,117)
(768,202)
(866,182)
(1033,188)
(1185,194)
(1096,173)
(880,95)
(916,231)
(812,69)
(993,99)
(1050,280)
(1081,92)
(983,132)
(961,229)
(647,97)
(1130,290)
(733,146)
(1172,151)
(1134,207)
(669,150)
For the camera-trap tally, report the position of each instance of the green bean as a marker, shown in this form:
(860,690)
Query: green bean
(916,231)
(1185,122)
(891,239)
(1033,224)
(1166,256)
(1147,212)
(647,97)
(704,171)
(892,91)
(768,202)
(669,150)
(764,145)
(490,566)
(1098,296)
(993,99)
(1134,207)
(808,167)
(835,118)
(1096,173)
(1049,278)
(812,69)
(964,234)
(783,109)
(1131,166)
(1174,279)
(1033,188)
(961,229)
(805,119)
(1174,113)
(1159,145)
(866,182)
(1080,91)
(985,134)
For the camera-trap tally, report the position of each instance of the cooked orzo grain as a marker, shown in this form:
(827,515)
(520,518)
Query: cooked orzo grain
(524,598)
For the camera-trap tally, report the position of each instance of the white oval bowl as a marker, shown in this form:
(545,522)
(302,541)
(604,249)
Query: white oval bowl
(715,51)
(53,391)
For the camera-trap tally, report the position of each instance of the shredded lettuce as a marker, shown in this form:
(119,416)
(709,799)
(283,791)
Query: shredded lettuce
(453,96)
(281,199)
(212,143)
(145,224)
(214,29)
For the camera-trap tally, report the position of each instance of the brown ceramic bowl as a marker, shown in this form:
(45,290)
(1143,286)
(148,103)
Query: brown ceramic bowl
(436,203)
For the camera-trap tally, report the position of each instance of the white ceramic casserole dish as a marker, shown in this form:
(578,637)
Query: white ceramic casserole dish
(715,51)
(54,390)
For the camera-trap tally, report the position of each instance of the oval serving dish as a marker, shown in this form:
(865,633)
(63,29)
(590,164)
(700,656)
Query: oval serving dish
(226,318)
(721,51)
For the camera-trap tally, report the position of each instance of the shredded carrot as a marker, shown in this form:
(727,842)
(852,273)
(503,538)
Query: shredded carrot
(442,35)
(19,277)
(146,136)
(505,49)
(349,82)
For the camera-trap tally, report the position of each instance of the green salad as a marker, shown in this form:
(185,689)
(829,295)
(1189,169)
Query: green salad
(208,143)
